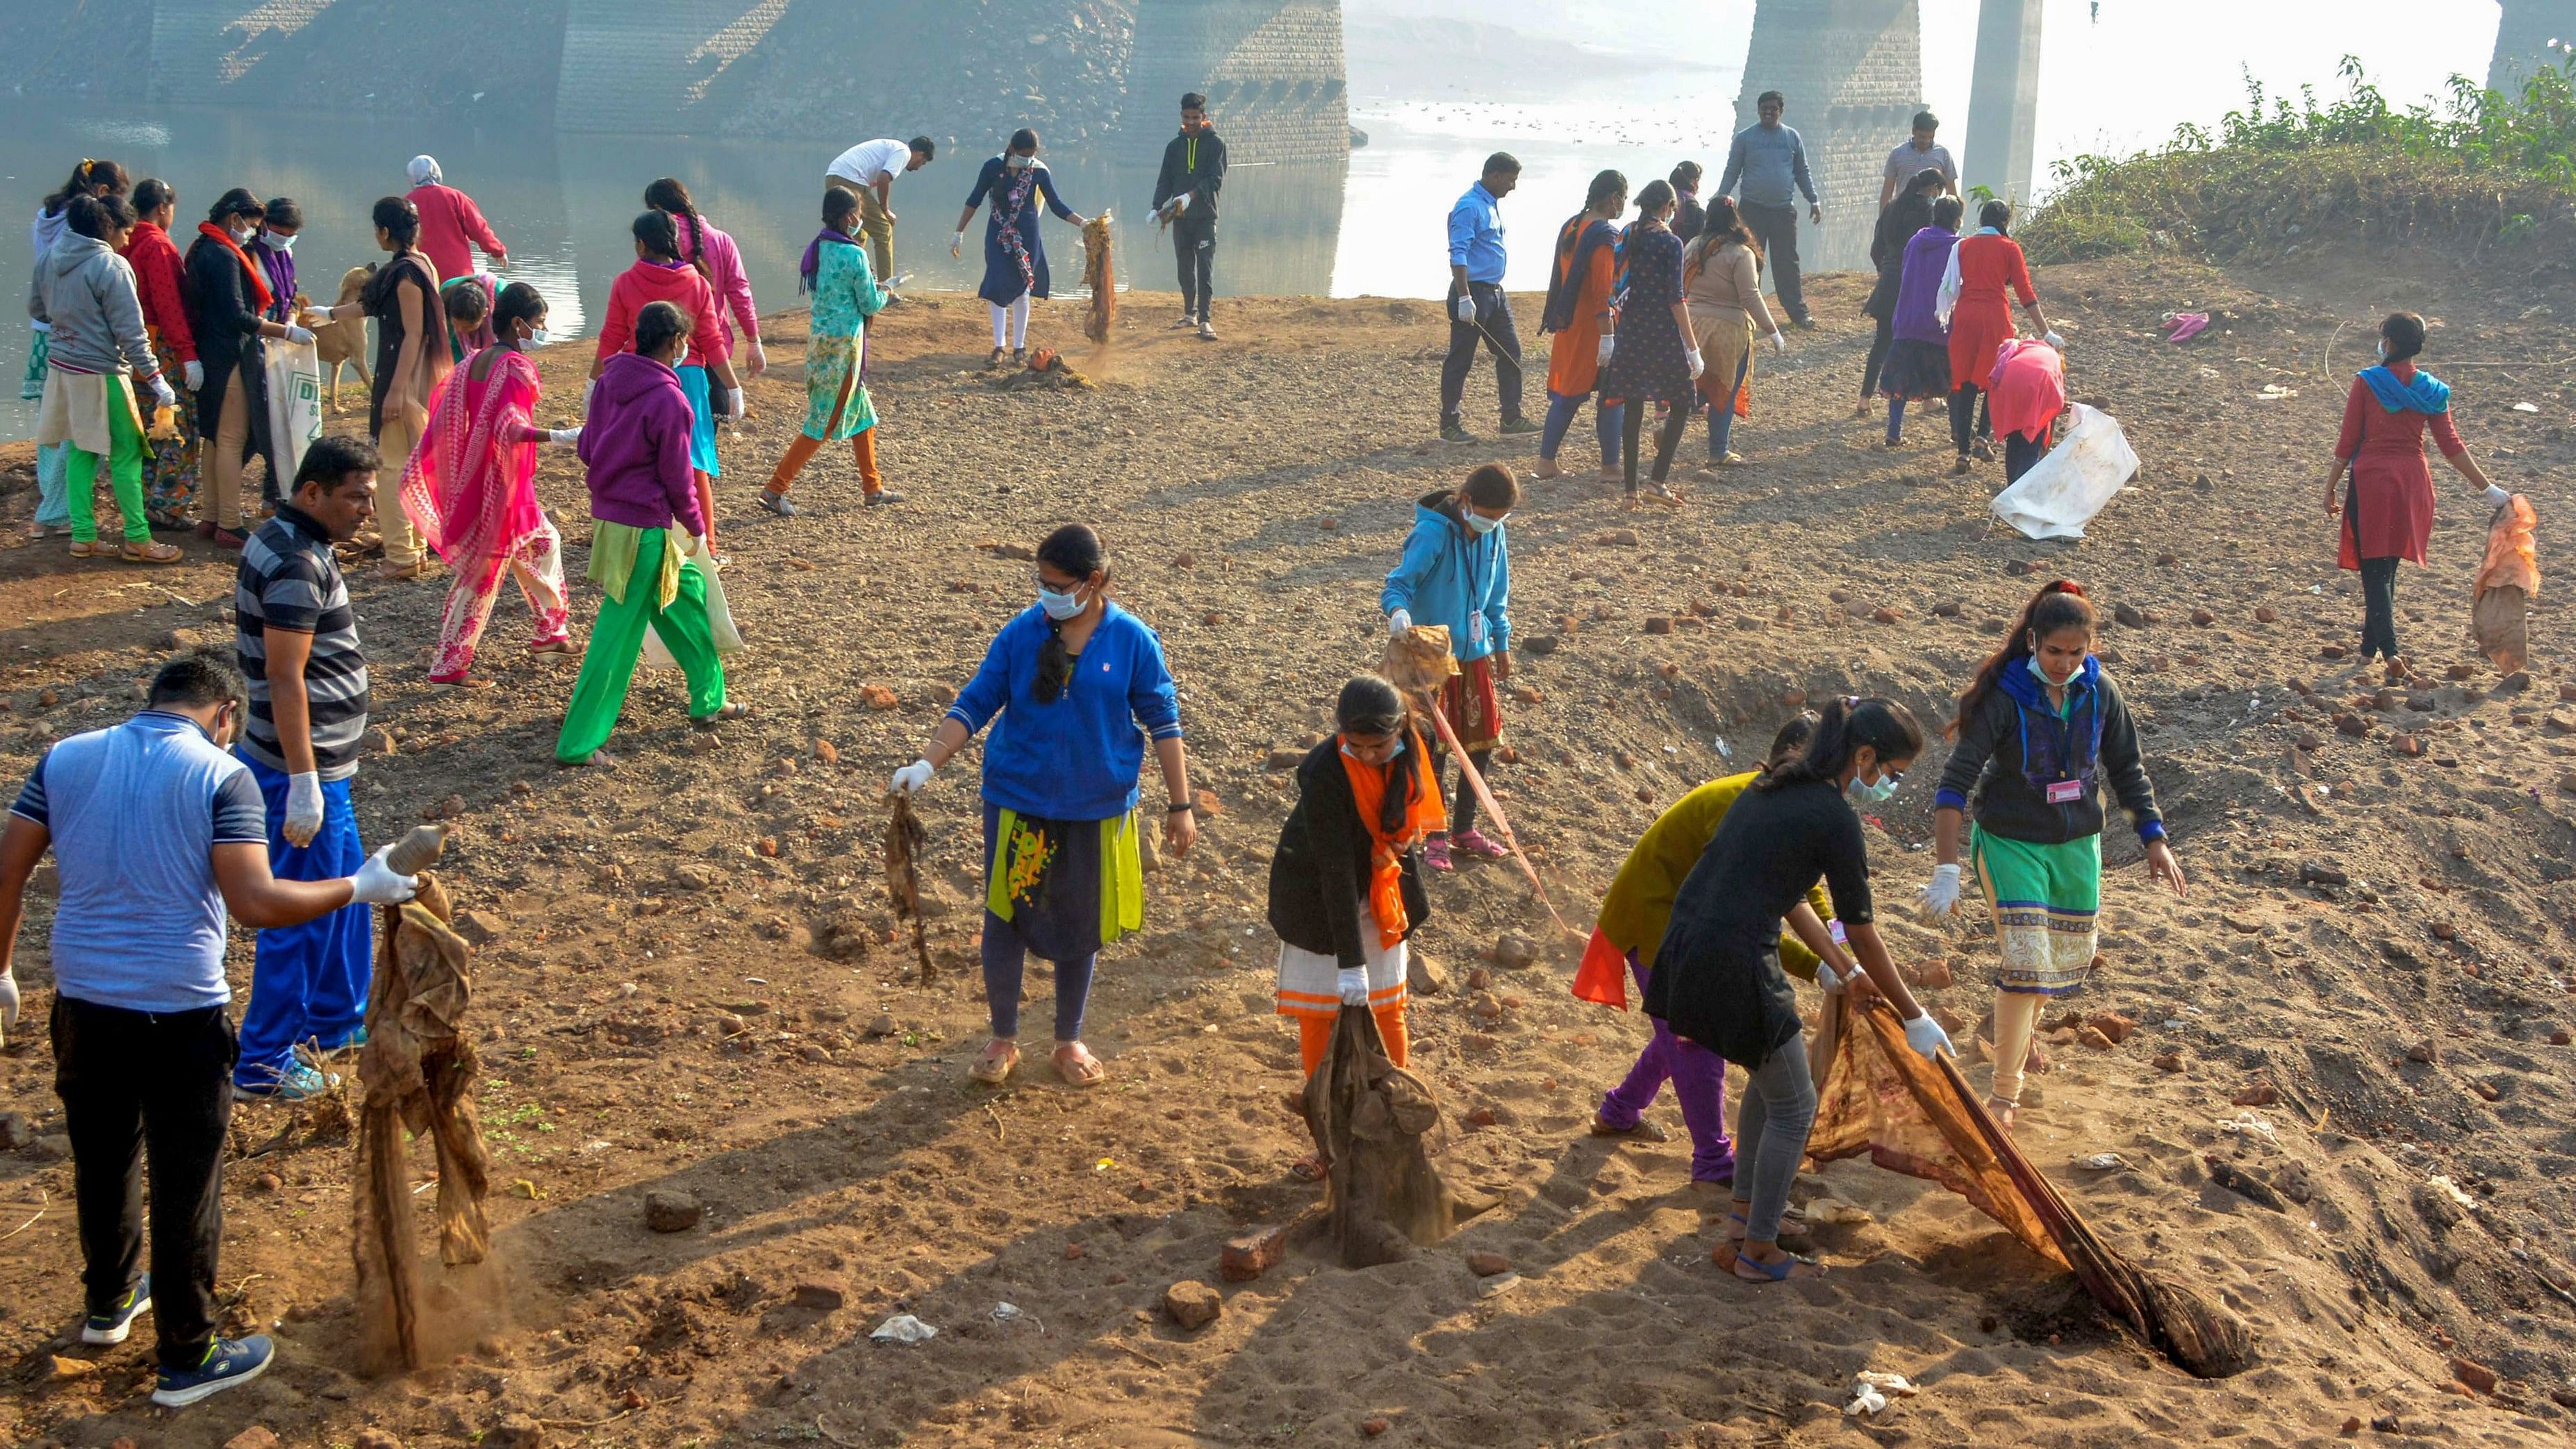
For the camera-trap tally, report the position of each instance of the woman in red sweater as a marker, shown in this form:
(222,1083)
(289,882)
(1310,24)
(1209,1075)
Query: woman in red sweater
(2387,506)
(170,464)
(660,276)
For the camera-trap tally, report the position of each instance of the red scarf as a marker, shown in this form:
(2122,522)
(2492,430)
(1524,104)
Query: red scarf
(224,239)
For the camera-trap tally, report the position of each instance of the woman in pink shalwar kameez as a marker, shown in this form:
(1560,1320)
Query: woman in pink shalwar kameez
(471,490)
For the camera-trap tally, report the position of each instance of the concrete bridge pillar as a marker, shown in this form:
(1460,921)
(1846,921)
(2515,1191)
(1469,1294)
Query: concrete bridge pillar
(2003,103)
(1852,73)
(2524,41)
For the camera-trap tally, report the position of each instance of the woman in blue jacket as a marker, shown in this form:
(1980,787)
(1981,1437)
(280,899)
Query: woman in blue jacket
(1080,685)
(1457,571)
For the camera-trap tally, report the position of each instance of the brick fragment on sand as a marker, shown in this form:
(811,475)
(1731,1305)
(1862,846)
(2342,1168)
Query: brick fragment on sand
(2170,1062)
(819,1296)
(1374,1427)
(1192,1304)
(2474,1374)
(1488,1265)
(254,1437)
(2112,1025)
(1658,624)
(878,697)
(2261,1094)
(2093,1037)
(1930,975)
(1249,1255)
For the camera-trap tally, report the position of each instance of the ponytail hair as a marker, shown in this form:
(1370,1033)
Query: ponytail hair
(1791,741)
(1075,551)
(671,198)
(1842,727)
(661,240)
(2059,605)
(87,177)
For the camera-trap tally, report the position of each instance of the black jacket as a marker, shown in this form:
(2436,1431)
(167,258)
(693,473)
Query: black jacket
(1200,182)
(1906,215)
(2014,745)
(1688,217)
(224,314)
(1321,870)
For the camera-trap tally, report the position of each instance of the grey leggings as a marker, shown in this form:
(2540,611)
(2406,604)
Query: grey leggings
(1771,1123)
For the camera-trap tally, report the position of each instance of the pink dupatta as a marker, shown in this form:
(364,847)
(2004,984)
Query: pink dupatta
(471,485)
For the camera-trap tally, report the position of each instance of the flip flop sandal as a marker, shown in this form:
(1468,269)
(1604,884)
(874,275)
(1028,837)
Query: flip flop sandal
(84,550)
(1082,1071)
(462,681)
(1644,1131)
(150,553)
(730,712)
(551,646)
(1311,1168)
(1791,1227)
(1780,1272)
(994,1068)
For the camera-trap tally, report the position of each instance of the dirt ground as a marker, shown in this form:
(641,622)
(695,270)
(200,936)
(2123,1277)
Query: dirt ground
(692,981)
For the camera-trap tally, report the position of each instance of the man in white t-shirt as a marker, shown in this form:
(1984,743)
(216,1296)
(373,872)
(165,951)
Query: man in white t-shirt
(869,168)
(1919,153)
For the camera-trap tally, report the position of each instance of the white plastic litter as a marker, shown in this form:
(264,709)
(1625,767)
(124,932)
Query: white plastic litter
(1496,1286)
(2102,1162)
(1006,1312)
(2062,492)
(2525,408)
(1866,1400)
(1871,1392)
(2450,1189)
(1839,1213)
(2249,1124)
(903,1328)
(2274,392)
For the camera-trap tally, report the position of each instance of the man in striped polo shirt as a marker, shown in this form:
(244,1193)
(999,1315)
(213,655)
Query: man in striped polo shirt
(298,643)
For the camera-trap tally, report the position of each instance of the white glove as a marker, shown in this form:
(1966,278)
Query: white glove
(194,373)
(375,884)
(1832,983)
(1609,344)
(1941,897)
(303,809)
(1352,982)
(161,393)
(589,390)
(298,335)
(957,244)
(733,402)
(1697,366)
(2497,497)
(1927,1038)
(2055,339)
(1398,624)
(1465,308)
(912,779)
(8,1004)
(1180,203)
(1778,342)
(565,437)
(759,358)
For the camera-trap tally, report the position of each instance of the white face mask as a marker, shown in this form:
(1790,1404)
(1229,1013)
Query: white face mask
(683,359)
(277,242)
(1020,163)
(537,338)
(241,235)
(2383,350)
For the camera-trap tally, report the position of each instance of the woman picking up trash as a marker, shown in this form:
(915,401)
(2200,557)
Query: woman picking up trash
(846,294)
(1717,979)
(2039,730)
(1457,571)
(1579,312)
(1346,882)
(1015,259)
(1079,685)
(2387,506)
(1634,915)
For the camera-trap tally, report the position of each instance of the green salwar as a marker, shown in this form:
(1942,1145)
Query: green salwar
(124,470)
(634,594)
(2047,902)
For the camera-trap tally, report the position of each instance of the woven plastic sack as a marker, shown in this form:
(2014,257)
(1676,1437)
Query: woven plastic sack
(2508,581)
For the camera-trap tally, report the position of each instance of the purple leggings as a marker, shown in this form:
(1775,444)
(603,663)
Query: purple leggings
(1698,1076)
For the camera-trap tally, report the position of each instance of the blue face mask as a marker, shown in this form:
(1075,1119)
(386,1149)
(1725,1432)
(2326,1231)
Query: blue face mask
(1875,793)
(1059,607)
(1480,525)
(1389,760)
(2042,674)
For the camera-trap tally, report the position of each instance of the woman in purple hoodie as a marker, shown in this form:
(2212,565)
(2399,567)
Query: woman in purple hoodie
(644,507)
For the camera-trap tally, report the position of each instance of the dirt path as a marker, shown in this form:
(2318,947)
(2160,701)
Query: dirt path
(692,982)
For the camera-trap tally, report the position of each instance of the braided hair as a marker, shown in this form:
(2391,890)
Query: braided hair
(1073,550)
(671,198)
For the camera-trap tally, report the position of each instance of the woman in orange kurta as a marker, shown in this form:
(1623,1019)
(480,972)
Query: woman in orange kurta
(1973,303)
(1579,290)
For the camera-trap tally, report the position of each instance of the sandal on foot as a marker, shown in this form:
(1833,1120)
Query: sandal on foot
(1478,844)
(595,760)
(84,550)
(1310,1168)
(1962,468)
(394,573)
(2002,1111)
(1642,1131)
(995,360)
(1077,1066)
(461,681)
(1791,1266)
(146,551)
(1547,469)
(776,502)
(730,712)
(995,1065)
(551,646)
(1435,854)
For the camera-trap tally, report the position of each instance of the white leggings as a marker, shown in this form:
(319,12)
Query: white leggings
(1016,317)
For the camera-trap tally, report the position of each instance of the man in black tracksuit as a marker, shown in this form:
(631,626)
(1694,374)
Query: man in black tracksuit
(1185,196)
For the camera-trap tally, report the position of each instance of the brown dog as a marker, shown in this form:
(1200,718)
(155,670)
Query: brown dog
(345,341)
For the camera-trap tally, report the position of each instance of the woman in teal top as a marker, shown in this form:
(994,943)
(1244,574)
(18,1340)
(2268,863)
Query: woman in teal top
(846,295)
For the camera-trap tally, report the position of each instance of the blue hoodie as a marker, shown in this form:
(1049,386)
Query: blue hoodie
(1448,573)
(1079,757)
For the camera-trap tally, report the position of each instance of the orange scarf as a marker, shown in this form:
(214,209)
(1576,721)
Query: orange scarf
(258,284)
(1422,816)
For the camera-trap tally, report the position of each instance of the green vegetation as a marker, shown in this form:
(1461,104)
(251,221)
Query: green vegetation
(2478,168)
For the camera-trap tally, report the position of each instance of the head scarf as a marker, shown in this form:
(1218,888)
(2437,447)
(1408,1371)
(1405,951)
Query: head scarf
(423,171)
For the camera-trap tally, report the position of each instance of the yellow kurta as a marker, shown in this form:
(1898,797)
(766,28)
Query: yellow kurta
(1640,902)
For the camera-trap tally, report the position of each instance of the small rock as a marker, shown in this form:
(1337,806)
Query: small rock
(375,1439)
(480,928)
(1206,805)
(2475,1374)
(2020,568)
(2127,617)
(67,1369)
(1249,1255)
(2423,1051)
(668,1210)
(267,1182)
(2203,618)
(1192,1304)
(1479,1117)
(2351,1425)
(818,1296)
(2332,651)
(2351,724)
(1885,615)
(2267,615)
(1373,1427)
(1540,645)
(1659,624)
(2166,560)
(381,740)
(2170,1062)
(1487,1265)
(513,1433)
(2093,1037)
(2261,1094)
(943,694)
(1622,537)
(1422,976)
(826,751)
(2112,1025)
(1285,759)
(1515,952)
(881,1025)
(1486,1006)
(1930,975)
(16,1131)
(1947,609)
(878,697)
(2316,873)
(2560,1036)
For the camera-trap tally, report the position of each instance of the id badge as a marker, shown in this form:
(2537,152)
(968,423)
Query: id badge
(2065,792)
(1476,626)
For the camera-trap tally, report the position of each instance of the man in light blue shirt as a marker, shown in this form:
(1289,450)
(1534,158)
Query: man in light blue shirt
(1478,310)
(1765,162)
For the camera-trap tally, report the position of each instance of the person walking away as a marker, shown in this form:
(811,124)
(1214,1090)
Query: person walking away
(1717,979)
(1185,198)
(1478,308)
(1634,914)
(1580,290)
(1897,224)
(451,225)
(412,358)
(160,280)
(1763,165)
(97,357)
(1921,152)
(1346,880)
(156,833)
(2028,391)
(1688,215)
(1457,572)
(1972,304)
(1722,283)
(2377,484)
(296,638)
(867,171)
(233,299)
(274,250)
(717,259)
(471,491)
(835,271)
(1658,355)
(703,365)
(646,505)
(1079,686)
(1918,359)
(53,219)
(1015,260)
(2040,728)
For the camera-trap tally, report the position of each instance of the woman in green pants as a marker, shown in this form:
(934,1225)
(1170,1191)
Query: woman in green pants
(99,358)
(644,504)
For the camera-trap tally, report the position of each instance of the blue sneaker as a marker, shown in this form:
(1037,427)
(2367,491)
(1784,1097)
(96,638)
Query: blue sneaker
(294,1084)
(356,1040)
(113,1325)
(229,1363)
